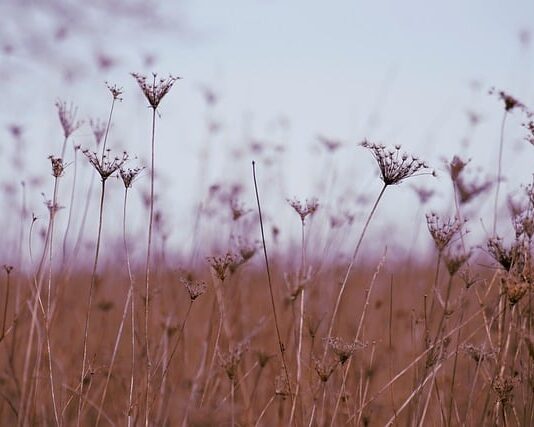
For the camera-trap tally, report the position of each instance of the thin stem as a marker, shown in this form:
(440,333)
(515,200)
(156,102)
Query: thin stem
(90,300)
(280,344)
(349,268)
(499,173)
(4,318)
(71,206)
(147,269)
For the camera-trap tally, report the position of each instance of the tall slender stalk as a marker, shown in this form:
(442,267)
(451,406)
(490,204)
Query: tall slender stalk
(90,299)
(499,173)
(269,281)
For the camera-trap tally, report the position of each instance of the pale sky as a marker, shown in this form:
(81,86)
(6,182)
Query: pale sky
(394,72)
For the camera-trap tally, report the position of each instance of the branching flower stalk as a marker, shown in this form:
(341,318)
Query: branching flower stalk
(105,168)
(128,176)
(394,167)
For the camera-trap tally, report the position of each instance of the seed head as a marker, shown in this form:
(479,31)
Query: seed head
(99,129)
(195,289)
(230,361)
(395,166)
(506,257)
(442,232)
(510,103)
(324,369)
(514,287)
(304,209)
(455,260)
(155,91)
(57,166)
(343,350)
(104,166)
(221,264)
(115,91)
(67,117)
(129,175)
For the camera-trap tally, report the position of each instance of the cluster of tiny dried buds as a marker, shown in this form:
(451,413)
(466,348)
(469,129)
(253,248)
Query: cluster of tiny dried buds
(442,231)
(324,369)
(514,287)
(67,117)
(115,91)
(154,91)
(128,176)
(8,268)
(510,103)
(524,224)
(344,350)
(454,260)
(478,354)
(230,361)
(308,208)
(467,191)
(98,127)
(195,289)
(58,168)
(395,166)
(221,264)
(504,387)
(51,206)
(238,209)
(105,165)
(506,257)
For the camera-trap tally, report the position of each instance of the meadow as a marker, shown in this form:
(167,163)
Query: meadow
(336,329)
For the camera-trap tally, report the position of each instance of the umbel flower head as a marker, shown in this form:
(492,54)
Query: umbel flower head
(304,209)
(395,166)
(67,117)
(128,176)
(157,89)
(105,166)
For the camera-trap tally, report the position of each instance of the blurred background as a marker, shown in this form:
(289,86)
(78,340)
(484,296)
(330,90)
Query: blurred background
(293,86)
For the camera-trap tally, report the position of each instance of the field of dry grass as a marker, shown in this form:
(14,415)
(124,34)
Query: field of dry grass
(252,336)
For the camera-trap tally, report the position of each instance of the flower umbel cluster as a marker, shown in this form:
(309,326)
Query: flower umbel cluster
(394,166)
(67,117)
(441,231)
(129,175)
(155,91)
(304,209)
(57,166)
(105,166)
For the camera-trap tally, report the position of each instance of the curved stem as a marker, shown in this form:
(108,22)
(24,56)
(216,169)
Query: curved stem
(499,173)
(349,268)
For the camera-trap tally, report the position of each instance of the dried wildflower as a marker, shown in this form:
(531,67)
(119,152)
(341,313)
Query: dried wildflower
(57,166)
(510,103)
(454,261)
(263,358)
(281,385)
(51,206)
(8,268)
(104,166)
(238,210)
(437,353)
(308,208)
(195,289)
(468,191)
(329,143)
(220,264)
(523,224)
(506,257)
(504,387)
(324,369)
(342,349)
(67,117)
(129,175)
(115,91)
(230,361)
(442,232)
(394,166)
(514,287)
(478,354)
(155,91)
(456,167)
(98,128)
